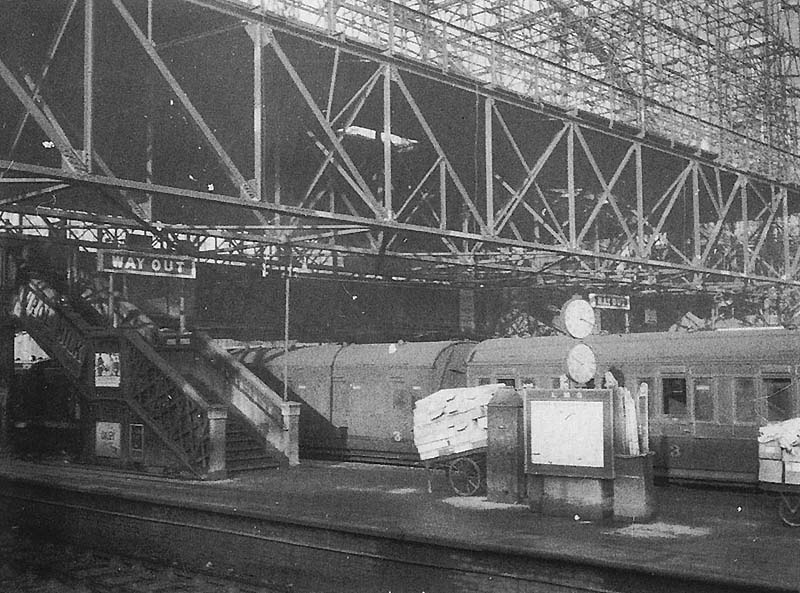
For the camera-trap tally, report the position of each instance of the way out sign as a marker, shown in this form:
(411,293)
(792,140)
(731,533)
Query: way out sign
(129,262)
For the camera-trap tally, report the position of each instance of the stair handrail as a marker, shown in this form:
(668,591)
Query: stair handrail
(239,376)
(129,314)
(136,341)
(37,303)
(174,376)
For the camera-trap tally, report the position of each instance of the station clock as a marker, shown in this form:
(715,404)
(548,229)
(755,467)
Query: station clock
(581,364)
(578,317)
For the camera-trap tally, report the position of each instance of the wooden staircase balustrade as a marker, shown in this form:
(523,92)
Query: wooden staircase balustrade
(260,406)
(61,332)
(171,402)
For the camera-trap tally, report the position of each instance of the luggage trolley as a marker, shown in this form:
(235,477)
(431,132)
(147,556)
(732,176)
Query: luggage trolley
(779,466)
(466,471)
(450,433)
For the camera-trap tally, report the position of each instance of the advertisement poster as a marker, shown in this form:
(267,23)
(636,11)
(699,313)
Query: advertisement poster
(106,369)
(107,439)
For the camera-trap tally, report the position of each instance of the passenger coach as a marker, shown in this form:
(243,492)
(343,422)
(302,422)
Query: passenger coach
(709,391)
(358,399)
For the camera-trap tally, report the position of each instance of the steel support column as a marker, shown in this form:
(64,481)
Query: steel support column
(88,83)
(387,141)
(488,136)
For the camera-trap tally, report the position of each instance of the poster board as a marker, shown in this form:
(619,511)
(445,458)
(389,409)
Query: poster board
(106,369)
(569,432)
(107,439)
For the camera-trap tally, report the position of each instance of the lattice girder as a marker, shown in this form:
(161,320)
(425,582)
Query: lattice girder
(555,137)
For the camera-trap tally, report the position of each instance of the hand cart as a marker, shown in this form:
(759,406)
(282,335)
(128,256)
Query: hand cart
(466,471)
(451,433)
(789,503)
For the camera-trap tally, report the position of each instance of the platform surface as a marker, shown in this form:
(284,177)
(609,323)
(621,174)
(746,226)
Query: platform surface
(725,535)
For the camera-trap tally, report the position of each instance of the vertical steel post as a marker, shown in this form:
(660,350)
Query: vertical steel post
(182,308)
(286,294)
(443,195)
(88,82)
(111,316)
(573,237)
(258,101)
(746,229)
(696,211)
(488,107)
(149,128)
(786,257)
(387,141)
(640,202)
(7,332)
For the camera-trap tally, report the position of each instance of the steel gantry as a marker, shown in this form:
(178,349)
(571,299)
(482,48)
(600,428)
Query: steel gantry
(644,143)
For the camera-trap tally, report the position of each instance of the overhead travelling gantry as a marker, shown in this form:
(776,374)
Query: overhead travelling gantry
(643,144)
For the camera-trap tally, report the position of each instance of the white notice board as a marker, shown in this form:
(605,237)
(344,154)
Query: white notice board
(568,432)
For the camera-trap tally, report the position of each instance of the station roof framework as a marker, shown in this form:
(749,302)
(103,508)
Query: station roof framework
(647,143)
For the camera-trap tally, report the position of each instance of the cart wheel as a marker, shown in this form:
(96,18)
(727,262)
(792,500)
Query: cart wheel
(789,509)
(465,476)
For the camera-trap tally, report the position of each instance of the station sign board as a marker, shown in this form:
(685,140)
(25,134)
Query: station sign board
(610,301)
(121,261)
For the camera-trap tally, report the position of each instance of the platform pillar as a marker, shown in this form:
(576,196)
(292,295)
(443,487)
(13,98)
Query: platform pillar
(6,381)
(217,418)
(590,499)
(291,431)
(633,488)
(505,457)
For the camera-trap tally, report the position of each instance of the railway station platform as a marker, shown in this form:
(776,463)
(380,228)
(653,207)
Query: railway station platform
(707,539)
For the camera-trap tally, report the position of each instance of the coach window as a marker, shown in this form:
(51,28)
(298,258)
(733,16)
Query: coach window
(778,395)
(744,398)
(484,381)
(673,390)
(704,399)
(528,382)
(507,381)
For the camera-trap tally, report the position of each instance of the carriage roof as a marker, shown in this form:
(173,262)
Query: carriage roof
(751,345)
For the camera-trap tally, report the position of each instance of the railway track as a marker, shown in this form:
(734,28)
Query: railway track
(292,553)
(31,565)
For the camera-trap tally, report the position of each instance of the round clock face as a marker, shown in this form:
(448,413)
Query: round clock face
(578,318)
(581,363)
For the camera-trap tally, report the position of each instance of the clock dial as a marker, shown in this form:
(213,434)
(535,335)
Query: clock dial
(581,363)
(579,319)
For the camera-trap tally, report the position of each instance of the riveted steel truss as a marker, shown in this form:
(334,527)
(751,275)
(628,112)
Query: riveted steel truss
(460,142)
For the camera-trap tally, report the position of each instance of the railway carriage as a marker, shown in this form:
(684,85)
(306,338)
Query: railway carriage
(358,399)
(709,391)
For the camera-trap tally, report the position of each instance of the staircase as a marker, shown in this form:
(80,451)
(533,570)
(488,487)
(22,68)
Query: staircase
(179,391)
(245,450)
(242,452)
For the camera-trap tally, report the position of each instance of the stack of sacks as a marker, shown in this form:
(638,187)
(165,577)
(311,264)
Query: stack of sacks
(452,420)
(779,452)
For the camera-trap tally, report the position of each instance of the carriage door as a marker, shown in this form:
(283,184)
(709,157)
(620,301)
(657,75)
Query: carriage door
(674,419)
(675,410)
